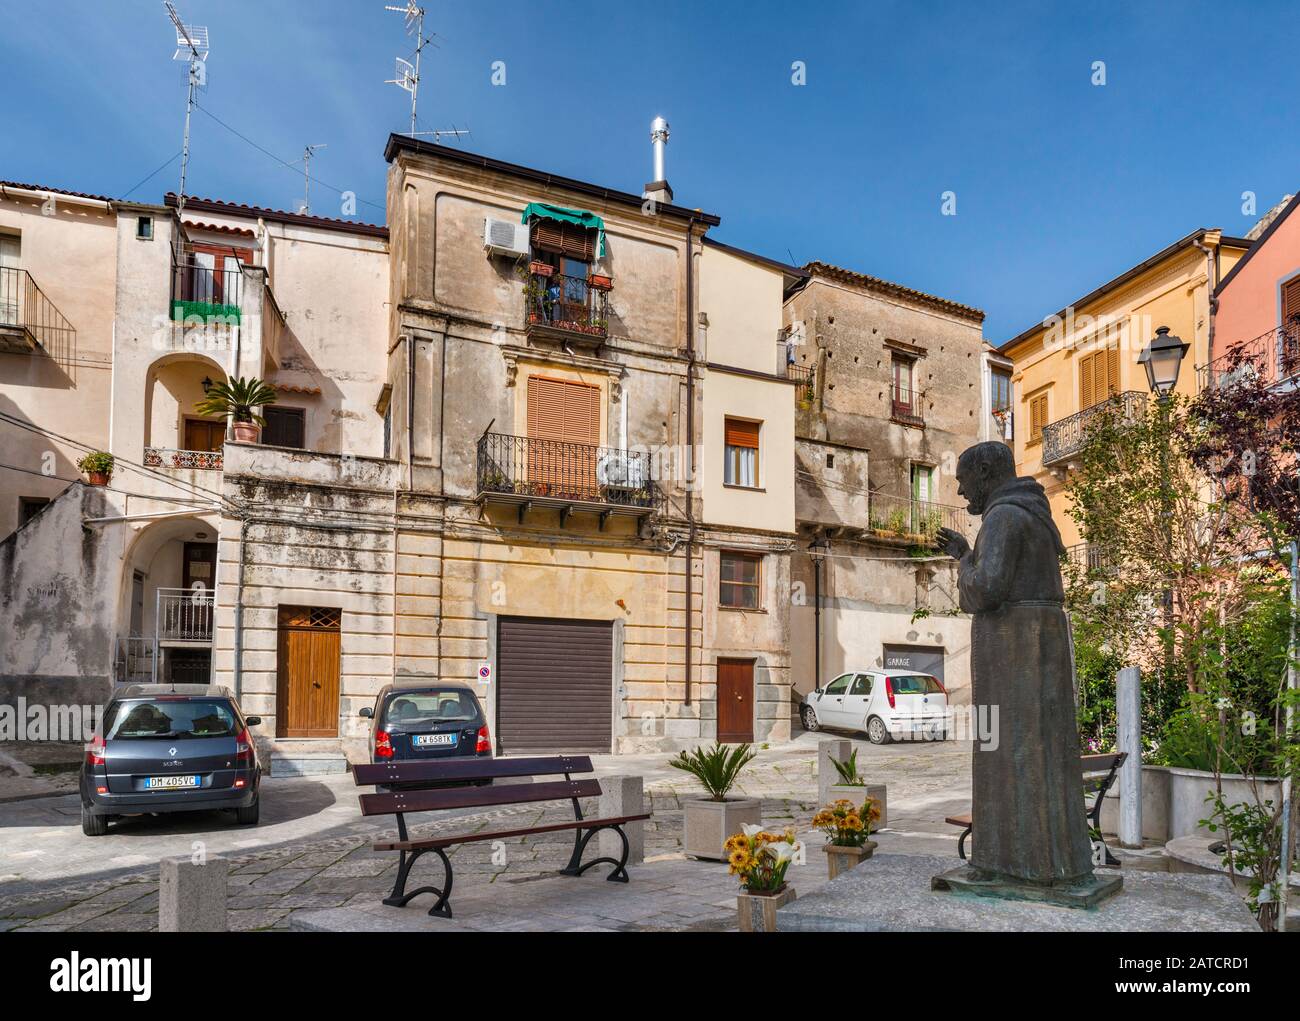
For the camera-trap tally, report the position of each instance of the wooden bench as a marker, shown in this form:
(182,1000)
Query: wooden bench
(1099,773)
(432,786)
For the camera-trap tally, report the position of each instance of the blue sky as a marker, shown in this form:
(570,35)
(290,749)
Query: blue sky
(1060,184)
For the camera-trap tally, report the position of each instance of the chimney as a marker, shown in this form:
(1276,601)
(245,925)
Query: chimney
(657,189)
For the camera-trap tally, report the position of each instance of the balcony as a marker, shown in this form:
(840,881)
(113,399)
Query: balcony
(526,472)
(806,378)
(1065,439)
(1274,355)
(912,521)
(166,457)
(184,617)
(907,406)
(202,292)
(29,321)
(1089,557)
(566,309)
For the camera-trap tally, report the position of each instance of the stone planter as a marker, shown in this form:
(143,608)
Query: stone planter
(708,824)
(857,795)
(1155,805)
(841,859)
(245,432)
(756,912)
(1188,789)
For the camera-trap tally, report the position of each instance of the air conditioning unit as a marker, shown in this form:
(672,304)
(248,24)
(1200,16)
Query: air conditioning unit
(502,237)
(620,470)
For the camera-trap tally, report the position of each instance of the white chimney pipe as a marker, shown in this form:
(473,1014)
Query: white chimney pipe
(659,139)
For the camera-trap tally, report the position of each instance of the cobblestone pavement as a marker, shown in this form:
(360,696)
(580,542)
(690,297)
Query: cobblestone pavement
(267,885)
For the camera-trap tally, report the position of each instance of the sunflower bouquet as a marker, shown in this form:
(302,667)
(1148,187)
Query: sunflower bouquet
(760,858)
(847,824)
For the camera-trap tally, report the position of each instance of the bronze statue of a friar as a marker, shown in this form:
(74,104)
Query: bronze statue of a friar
(1029,831)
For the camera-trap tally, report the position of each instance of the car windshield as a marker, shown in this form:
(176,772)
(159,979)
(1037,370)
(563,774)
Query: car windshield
(434,706)
(915,684)
(166,718)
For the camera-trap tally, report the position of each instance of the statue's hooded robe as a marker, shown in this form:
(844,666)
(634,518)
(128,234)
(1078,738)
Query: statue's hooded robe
(1027,805)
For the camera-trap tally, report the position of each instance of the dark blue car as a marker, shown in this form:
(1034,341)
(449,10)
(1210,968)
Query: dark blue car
(438,721)
(170,748)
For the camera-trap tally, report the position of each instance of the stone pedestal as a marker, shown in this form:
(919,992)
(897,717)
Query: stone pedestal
(192,898)
(1084,893)
(827,776)
(757,912)
(840,859)
(893,895)
(622,795)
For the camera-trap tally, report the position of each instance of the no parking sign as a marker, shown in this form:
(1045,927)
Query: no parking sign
(485,672)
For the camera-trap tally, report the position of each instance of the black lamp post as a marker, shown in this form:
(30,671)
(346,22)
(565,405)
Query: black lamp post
(817,551)
(1162,358)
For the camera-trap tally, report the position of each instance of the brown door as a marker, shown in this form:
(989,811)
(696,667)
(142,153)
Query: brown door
(307,680)
(735,701)
(204,434)
(555,685)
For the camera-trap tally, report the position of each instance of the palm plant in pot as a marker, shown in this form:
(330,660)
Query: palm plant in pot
(708,821)
(847,826)
(237,398)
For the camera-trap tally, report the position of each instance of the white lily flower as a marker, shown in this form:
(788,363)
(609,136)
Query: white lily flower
(750,830)
(783,851)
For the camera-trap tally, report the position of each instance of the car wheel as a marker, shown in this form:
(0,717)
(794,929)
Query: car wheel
(810,723)
(248,816)
(93,825)
(877,732)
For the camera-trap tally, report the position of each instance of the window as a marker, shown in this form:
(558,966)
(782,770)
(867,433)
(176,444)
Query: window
(1001,390)
(741,465)
(144,228)
(862,685)
(285,427)
(839,685)
(922,483)
(1291,301)
(1037,417)
(739,580)
(1098,377)
(29,507)
(903,389)
(563,438)
(830,460)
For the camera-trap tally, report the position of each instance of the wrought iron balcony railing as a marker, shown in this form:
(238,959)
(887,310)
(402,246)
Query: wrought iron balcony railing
(185,615)
(207,291)
(166,457)
(1065,438)
(1274,356)
(559,472)
(904,517)
(28,319)
(1089,557)
(571,305)
(907,405)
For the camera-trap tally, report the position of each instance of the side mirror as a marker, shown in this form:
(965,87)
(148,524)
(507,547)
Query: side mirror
(253,721)
(367,712)
(817,690)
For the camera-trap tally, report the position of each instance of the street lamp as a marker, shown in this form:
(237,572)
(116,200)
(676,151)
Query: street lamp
(1162,359)
(818,549)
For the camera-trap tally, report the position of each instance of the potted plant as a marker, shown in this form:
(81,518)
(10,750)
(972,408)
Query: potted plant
(600,282)
(98,465)
(847,826)
(540,269)
(852,785)
(237,398)
(707,821)
(760,860)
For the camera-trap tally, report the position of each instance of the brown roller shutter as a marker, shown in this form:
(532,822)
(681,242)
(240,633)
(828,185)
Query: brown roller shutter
(554,685)
(742,434)
(564,239)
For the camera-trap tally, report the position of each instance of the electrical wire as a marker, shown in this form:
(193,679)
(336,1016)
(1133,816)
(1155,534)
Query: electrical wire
(146,180)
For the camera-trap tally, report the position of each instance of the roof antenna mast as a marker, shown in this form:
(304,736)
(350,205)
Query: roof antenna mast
(408,73)
(307,153)
(191,46)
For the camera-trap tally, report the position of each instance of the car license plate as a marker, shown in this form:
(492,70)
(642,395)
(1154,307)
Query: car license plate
(155,783)
(434,740)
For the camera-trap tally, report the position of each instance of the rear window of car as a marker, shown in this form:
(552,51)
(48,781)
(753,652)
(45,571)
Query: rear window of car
(434,706)
(915,684)
(165,718)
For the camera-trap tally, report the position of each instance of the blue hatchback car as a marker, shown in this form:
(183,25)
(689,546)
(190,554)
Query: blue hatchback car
(438,721)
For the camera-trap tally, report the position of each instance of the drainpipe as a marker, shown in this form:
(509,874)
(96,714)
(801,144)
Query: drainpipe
(690,444)
(1211,283)
(239,611)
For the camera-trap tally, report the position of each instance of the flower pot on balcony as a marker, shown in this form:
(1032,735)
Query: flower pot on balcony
(756,912)
(245,432)
(540,269)
(840,859)
(599,282)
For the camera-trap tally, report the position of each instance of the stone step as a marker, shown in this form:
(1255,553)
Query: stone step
(291,762)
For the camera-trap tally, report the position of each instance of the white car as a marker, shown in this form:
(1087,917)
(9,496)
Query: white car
(884,704)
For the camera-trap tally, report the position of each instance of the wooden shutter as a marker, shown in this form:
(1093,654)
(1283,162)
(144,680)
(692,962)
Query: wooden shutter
(1037,416)
(1112,371)
(562,410)
(1087,381)
(1290,301)
(1098,377)
(285,427)
(564,239)
(742,434)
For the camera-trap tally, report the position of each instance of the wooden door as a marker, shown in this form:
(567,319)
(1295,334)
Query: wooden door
(564,438)
(307,672)
(204,434)
(735,701)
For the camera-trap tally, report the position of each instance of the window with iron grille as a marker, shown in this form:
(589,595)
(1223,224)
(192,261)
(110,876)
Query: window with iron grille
(739,579)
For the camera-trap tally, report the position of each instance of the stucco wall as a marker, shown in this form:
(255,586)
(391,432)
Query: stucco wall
(1250,303)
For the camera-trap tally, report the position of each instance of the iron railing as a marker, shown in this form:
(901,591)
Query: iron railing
(23,305)
(184,615)
(210,293)
(905,517)
(907,405)
(556,469)
(1089,556)
(1274,355)
(572,304)
(806,378)
(1068,436)
(134,662)
(166,457)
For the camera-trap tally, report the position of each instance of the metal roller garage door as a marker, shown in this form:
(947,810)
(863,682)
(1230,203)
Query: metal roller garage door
(554,685)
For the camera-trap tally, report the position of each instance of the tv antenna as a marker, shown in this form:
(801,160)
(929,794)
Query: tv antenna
(307,153)
(407,74)
(191,46)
